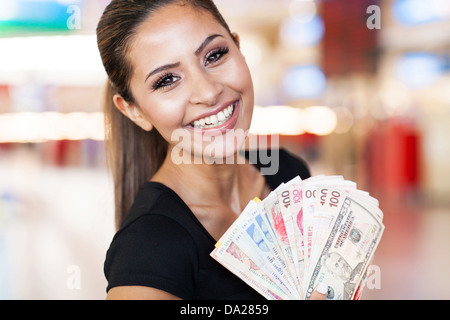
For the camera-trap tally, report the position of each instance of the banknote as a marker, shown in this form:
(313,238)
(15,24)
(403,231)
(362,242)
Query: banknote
(348,250)
(322,229)
(242,266)
(271,206)
(256,250)
(310,194)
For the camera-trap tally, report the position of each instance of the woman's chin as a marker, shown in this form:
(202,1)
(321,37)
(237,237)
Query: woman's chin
(225,148)
(206,149)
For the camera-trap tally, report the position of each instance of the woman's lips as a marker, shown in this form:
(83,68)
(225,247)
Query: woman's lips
(215,126)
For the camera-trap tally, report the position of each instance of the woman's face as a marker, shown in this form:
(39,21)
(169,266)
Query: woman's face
(190,82)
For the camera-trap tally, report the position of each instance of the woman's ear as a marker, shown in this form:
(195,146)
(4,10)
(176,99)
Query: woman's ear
(131,111)
(236,38)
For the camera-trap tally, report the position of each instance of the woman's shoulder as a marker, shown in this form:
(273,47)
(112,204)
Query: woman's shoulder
(138,253)
(157,212)
(152,201)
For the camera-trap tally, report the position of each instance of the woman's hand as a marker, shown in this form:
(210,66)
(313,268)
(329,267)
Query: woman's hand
(320,293)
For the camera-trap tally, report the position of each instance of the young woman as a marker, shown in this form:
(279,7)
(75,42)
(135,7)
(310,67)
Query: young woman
(175,71)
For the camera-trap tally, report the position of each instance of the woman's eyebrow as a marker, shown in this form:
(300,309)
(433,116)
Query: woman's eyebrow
(206,42)
(162,68)
(177,64)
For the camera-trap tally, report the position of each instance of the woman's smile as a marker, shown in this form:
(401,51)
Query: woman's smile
(218,121)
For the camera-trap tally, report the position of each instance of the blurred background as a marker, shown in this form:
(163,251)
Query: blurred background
(359,88)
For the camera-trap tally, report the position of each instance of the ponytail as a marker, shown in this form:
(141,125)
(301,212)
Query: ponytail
(133,155)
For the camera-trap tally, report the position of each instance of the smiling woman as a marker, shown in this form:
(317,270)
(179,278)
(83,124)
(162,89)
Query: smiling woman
(173,66)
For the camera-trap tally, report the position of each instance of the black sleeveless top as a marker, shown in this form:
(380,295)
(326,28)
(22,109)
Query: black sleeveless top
(162,245)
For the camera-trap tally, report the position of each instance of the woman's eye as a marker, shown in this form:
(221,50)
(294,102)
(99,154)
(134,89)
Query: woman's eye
(215,55)
(165,81)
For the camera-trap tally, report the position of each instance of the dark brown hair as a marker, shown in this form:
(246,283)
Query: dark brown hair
(134,155)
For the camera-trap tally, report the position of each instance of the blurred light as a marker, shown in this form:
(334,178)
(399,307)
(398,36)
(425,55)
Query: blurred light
(286,120)
(344,118)
(27,127)
(252,52)
(413,12)
(282,120)
(301,31)
(25,16)
(320,120)
(304,82)
(302,10)
(395,99)
(32,127)
(419,69)
(441,9)
(8,10)
(68,60)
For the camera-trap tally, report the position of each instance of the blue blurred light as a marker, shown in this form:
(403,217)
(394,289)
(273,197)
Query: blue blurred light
(304,82)
(43,14)
(419,69)
(300,32)
(413,12)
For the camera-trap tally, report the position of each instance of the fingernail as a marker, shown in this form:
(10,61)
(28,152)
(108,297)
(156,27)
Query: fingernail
(322,288)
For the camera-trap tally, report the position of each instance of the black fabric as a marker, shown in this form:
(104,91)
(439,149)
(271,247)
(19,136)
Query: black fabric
(161,244)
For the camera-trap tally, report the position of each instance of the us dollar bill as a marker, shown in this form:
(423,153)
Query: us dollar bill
(348,250)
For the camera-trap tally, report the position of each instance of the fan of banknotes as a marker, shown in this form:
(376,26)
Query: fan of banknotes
(322,229)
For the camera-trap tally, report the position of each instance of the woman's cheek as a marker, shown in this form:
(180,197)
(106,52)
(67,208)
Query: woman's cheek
(242,83)
(166,116)
(239,78)
(168,121)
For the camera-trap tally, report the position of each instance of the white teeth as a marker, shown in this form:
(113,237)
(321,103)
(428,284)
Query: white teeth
(216,119)
(221,116)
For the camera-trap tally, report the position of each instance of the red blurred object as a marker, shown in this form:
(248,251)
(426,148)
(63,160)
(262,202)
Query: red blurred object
(393,157)
(349,46)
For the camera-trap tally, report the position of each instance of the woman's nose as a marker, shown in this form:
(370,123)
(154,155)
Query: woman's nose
(206,89)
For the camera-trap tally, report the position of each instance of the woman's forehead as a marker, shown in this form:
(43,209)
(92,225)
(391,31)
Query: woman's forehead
(174,24)
(169,33)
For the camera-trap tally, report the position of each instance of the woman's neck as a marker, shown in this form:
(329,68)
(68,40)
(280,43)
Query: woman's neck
(202,183)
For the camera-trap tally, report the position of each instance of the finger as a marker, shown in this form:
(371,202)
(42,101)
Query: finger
(320,293)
